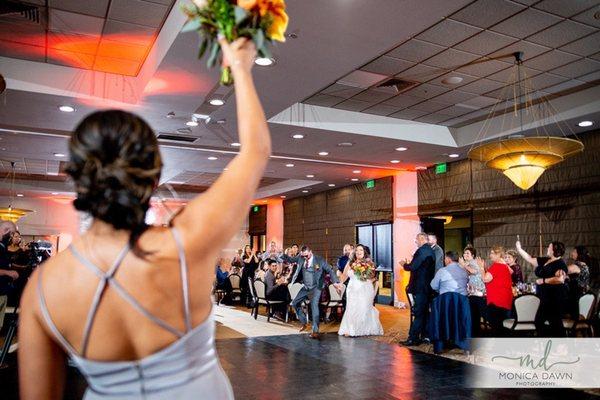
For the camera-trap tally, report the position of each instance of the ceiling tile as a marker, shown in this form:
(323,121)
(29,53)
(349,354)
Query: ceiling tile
(429,106)
(120,50)
(163,2)
(550,60)
(386,65)
(138,12)
(403,101)
(132,33)
(323,100)
(451,59)
(420,73)
(381,109)
(485,43)
(22,51)
(432,118)
(561,34)
(408,114)
(342,91)
(30,34)
(596,56)
(527,2)
(427,91)
(465,79)
(96,8)
(530,49)
(578,68)
(353,105)
(567,85)
(455,110)
(415,50)
(585,46)
(481,86)
(361,79)
(509,75)
(74,43)
(588,17)
(454,96)
(116,66)
(565,8)
(71,59)
(479,102)
(64,21)
(526,23)
(448,32)
(594,76)
(372,96)
(485,13)
(485,68)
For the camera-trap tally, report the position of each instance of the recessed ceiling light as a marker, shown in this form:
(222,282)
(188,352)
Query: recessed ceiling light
(298,136)
(401,148)
(20,194)
(66,108)
(216,102)
(236,144)
(289,165)
(395,161)
(264,61)
(212,158)
(59,155)
(310,176)
(356,171)
(191,123)
(283,197)
(305,191)
(454,155)
(54,193)
(345,144)
(331,185)
(323,153)
(354,179)
(584,124)
(420,168)
(452,80)
(225,169)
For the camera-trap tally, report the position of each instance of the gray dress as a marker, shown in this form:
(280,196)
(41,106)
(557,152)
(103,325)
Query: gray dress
(186,369)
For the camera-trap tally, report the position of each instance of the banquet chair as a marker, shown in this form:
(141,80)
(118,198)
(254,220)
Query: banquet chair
(335,298)
(260,290)
(584,321)
(236,291)
(219,293)
(294,290)
(526,308)
(253,296)
(411,303)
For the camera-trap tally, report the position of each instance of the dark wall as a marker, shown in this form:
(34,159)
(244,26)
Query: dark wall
(257,221)
(563,205)
(326,221)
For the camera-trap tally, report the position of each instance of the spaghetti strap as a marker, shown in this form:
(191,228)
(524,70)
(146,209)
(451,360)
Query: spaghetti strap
(184,279)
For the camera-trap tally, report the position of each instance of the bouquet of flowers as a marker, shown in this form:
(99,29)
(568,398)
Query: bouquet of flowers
(263,21)
(363,269)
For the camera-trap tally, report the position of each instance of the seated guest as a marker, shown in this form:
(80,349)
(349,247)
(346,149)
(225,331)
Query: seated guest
(511,260)
(276,287)
(261,271)
(451,278)
(551,288)
(579,277)
(450,319)
(223,283)
(343,259)
(498,286)
(475,289)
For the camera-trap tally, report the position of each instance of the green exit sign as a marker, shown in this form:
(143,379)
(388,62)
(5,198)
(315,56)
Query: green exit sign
(370,184)
(255,208)
(441,168)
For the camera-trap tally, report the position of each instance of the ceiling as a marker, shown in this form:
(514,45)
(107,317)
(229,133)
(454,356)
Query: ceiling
(321,86)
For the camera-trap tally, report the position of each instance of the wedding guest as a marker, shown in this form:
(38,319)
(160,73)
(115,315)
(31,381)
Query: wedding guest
(223,282)
(276,287)
(343,259)
(250,260)
(272,252)
(261,271)
(437,250)
(475,289)
(498,286)
(452,278)
(579,278)
(551,271)
(7,276)
(511,258)
(422,271)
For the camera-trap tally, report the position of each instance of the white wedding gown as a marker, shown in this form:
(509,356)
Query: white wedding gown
(361,317)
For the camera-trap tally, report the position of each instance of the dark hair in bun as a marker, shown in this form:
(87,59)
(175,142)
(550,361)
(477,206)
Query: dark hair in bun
(115,164)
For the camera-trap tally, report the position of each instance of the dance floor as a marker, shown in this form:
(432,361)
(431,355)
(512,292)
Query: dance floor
(296,367)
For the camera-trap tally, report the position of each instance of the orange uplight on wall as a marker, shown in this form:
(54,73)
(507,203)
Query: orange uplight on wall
(13,214)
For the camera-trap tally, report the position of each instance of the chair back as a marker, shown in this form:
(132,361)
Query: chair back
(586,305)
(251,287)
(334,295)
(294,289)
(235,281)
(259,287)
(526,307)
(411,300)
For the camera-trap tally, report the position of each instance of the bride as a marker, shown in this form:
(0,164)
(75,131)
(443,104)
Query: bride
(361,317)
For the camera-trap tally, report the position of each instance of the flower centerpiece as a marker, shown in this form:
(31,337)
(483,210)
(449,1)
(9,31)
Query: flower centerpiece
(263,21)
(363,269)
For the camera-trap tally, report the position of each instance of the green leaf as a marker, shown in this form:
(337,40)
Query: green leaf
(203,48)
(214,52)
(266,53)
(192,25)
(259,39)
(240,14)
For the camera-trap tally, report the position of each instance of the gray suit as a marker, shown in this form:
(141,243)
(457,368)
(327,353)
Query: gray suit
(439,257)
(312,277)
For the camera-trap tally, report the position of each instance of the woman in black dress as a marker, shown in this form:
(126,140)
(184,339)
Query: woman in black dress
(551,288)
(579,278)
(250,260)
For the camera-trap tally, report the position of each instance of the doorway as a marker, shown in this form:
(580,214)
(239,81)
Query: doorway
(378,237)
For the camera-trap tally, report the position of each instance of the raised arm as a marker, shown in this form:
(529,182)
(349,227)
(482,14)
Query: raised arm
(344,274)
(211,219)
(525,255)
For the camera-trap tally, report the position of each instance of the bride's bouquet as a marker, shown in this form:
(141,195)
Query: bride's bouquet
(263,21)
(363,269)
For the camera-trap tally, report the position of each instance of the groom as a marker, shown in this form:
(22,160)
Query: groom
(310,272)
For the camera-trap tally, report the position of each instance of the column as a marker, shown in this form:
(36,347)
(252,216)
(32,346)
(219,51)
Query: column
(275,222)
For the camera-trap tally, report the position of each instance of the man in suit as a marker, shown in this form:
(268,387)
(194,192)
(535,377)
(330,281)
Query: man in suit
(311,269)
(422,271)
(437,250)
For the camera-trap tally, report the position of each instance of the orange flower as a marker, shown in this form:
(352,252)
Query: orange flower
(247,4)
(279,18)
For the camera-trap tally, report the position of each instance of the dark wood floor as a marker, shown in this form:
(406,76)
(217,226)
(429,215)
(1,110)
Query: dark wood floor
(295,367)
